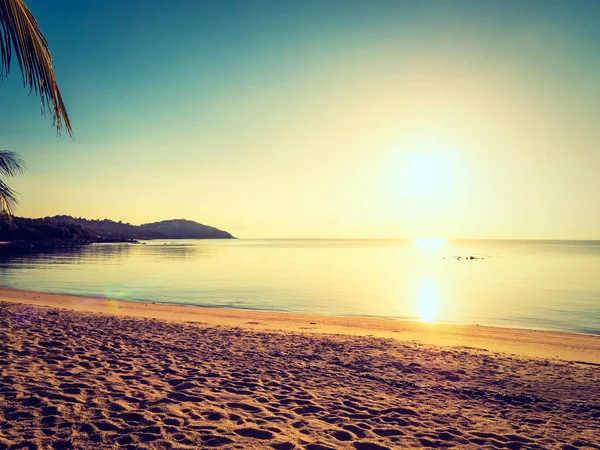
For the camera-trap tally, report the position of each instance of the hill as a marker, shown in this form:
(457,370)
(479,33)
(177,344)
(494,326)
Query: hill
(78,230)
(183,229)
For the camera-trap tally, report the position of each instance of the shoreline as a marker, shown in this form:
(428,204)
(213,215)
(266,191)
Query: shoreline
(573,347)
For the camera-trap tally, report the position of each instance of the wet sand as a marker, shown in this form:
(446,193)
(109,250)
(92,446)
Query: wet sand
(78,372)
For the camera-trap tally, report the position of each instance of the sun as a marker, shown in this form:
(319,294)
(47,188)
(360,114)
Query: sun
(421,172)
(429,172)
(422,187)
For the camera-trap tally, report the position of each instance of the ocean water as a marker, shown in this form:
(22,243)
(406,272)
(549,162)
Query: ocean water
(551,285)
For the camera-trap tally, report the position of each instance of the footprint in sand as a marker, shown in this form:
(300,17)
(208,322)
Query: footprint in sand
(369,446)
(318,447)
(342,435)
(244,406)
(254,433)
(283,446)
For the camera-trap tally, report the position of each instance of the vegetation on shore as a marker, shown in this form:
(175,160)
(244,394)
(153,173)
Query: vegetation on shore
(71,230)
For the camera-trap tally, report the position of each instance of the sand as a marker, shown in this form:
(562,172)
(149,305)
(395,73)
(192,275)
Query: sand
(77,372)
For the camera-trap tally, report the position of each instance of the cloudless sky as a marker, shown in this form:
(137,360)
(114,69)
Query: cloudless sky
(383,119)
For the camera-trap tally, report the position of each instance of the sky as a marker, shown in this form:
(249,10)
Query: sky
(321,119)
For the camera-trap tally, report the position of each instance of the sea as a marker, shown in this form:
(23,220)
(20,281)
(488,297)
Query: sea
(547,285)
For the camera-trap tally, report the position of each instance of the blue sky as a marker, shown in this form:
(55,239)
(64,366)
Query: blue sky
(319,119)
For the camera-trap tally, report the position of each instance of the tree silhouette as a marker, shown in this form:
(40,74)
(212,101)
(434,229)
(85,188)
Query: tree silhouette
(21,37)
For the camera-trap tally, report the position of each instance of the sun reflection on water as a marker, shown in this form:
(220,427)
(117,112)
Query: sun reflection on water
(427,300)
(429,245)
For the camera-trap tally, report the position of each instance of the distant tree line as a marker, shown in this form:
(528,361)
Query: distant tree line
(62,229)
(47,229)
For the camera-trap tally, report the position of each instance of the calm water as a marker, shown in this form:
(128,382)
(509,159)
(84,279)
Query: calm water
(527,284)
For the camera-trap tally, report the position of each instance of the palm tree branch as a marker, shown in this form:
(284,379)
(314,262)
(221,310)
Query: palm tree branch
(8,199)
(20,31)
(11,164)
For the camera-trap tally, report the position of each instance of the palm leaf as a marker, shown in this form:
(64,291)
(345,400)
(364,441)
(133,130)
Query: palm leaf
(21,34)
(11,163)
(8,199)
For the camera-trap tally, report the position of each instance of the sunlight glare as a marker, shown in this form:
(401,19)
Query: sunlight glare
(429,245)
(430,172)
(427,299)
(421,183)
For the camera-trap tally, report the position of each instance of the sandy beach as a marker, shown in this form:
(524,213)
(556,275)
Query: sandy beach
(79,372)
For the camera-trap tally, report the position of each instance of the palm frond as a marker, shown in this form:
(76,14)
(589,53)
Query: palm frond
(11,164)
(19,31)
(8,199)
